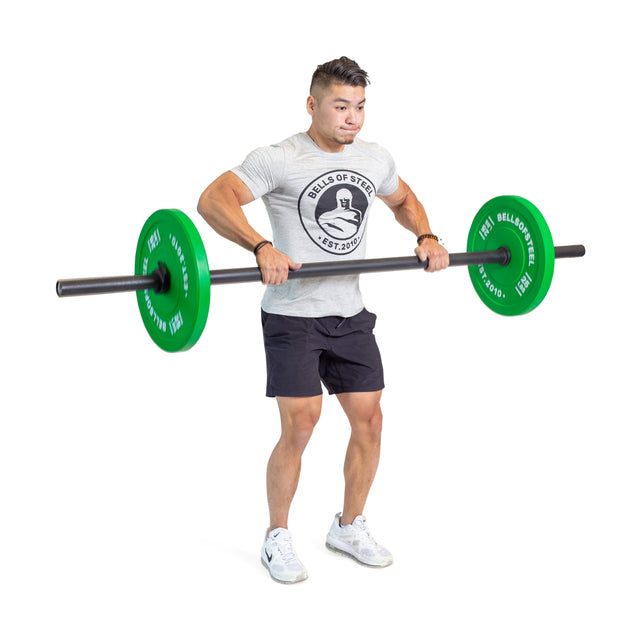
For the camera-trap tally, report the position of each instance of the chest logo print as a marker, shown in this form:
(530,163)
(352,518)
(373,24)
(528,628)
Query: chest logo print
(333,210)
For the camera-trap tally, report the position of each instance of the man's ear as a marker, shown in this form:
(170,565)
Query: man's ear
(311,105)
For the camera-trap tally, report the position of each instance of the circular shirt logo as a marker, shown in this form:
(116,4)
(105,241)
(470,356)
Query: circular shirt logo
(333,210)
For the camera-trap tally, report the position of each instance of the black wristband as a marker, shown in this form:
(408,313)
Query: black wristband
(260,245)
(428,235)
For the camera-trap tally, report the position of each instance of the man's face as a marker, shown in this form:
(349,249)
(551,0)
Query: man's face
(337,115)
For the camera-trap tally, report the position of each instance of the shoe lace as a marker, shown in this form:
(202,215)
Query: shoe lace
(285,547)
(360,525)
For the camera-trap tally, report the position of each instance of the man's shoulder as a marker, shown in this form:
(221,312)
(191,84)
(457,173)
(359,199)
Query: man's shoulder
(279,150)
(370,148)
(296,141)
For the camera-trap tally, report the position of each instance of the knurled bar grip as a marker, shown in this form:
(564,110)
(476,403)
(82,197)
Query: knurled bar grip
(90,286)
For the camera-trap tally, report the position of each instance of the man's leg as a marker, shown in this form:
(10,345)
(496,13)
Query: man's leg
(350,534)
(298,416)
(363,453)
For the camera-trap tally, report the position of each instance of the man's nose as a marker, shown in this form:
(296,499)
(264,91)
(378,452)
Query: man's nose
(351,116)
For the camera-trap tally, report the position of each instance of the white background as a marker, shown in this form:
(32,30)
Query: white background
(132,481)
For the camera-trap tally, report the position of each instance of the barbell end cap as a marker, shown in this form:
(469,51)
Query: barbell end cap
(507,256)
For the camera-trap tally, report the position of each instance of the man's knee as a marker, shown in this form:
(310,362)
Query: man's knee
(371,424)
(364,413)
(299,417)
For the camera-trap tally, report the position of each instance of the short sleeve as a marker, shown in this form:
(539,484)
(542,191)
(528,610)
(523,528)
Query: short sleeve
(262,170)
(391,182)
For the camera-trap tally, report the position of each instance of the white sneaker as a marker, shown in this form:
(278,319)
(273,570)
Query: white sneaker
(280,559)
(356,541)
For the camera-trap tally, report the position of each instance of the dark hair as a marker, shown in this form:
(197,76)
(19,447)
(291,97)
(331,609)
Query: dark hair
(339,71)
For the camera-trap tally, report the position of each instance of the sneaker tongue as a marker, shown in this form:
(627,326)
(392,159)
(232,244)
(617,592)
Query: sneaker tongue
(360,523)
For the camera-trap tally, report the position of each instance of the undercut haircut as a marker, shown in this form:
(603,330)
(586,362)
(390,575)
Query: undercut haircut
(340,71)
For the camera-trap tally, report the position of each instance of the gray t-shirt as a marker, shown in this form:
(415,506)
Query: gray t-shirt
(318,205)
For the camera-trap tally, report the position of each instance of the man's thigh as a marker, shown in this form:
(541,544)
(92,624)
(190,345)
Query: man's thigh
(292,356)
(352,361)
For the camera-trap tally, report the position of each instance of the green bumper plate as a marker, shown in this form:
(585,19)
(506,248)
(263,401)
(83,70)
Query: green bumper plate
(175,319)
(520,286)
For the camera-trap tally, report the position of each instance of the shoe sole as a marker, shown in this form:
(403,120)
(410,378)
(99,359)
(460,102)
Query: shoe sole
(266,566)
(350,555)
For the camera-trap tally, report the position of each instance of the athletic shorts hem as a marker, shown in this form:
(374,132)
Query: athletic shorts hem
(331,392)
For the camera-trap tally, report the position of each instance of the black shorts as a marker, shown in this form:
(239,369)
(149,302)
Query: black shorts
(302,352)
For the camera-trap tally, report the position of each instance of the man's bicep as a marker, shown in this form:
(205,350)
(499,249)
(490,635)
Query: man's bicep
(229,184)
(242,191)
(397,198)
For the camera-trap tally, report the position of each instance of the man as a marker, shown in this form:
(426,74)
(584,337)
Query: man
(317,329)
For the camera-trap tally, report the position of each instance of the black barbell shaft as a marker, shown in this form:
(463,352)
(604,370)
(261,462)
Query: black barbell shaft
(90,286)
(350,267)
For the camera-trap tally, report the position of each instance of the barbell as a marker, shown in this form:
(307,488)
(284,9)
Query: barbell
(510,256)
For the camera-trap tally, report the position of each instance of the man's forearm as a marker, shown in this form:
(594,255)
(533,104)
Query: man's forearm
(412,215)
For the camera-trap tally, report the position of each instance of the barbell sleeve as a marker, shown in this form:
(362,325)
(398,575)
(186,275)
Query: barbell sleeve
(570,251)
(115,284)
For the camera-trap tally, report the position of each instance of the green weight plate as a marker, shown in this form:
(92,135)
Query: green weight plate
(520,286)
(175,319)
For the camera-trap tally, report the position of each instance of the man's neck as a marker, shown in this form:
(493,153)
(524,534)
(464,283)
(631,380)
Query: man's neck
(326,145)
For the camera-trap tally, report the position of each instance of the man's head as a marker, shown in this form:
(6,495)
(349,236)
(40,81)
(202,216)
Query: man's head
(340,71)
(336,103)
